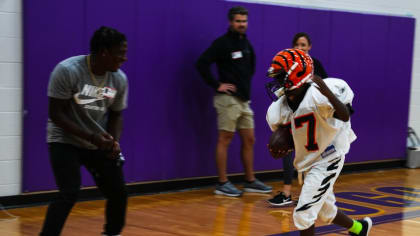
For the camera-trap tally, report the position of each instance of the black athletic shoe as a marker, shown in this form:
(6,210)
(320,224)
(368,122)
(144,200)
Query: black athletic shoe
(280,200)
(367,225)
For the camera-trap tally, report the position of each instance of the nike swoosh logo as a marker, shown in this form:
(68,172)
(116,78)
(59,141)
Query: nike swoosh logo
(85,101)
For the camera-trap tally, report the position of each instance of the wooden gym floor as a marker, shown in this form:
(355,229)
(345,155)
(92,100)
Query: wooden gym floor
(391,198)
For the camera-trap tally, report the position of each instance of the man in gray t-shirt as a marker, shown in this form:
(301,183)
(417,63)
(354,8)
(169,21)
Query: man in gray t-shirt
(86,97)
(89,103)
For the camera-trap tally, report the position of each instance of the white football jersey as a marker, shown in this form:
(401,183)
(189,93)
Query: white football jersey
(316,133)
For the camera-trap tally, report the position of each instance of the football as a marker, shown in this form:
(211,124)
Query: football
(281,142)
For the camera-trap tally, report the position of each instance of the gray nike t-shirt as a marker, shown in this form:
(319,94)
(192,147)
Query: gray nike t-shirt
(90,100)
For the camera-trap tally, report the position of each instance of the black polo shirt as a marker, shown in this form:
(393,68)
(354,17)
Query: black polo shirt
(235,61)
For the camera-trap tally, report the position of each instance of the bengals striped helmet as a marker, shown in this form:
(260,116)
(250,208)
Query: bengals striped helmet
(291,68)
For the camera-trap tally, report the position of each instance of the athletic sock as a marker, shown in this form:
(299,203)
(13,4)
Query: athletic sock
(356,228)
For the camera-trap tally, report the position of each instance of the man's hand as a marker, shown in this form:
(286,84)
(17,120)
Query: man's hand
(226,88)
(103,141)
(116,150)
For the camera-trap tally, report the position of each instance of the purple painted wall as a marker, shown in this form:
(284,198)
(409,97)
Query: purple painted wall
(170,126)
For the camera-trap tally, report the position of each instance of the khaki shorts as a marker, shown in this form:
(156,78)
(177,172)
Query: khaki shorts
(233,113)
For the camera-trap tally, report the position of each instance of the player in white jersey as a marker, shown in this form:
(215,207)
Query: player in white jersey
(318,113)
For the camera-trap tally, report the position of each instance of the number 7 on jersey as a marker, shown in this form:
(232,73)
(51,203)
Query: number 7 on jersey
(310,119)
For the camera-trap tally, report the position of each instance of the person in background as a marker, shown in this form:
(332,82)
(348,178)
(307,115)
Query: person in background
(303,42)
(235,61)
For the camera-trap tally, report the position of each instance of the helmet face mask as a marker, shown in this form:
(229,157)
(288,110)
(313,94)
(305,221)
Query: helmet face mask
(272,87)
(280,79)
(290,69)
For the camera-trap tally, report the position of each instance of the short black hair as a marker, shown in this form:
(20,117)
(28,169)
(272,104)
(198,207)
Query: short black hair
(105,38)
(299,35)
(236,10)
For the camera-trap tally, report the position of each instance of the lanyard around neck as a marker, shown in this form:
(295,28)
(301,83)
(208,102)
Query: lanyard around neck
(92,76)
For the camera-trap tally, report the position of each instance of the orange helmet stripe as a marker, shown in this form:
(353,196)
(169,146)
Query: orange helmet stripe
(296,63)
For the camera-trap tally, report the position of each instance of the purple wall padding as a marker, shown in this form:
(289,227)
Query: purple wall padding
(170,127)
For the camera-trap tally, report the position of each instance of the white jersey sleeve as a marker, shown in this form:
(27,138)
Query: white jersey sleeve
(278,113)
(340,89)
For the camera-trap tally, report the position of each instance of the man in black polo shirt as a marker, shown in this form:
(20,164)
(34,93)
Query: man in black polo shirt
(235,60)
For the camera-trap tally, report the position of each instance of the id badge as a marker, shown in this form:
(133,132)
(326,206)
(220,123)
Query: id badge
(109,92)
(237,55)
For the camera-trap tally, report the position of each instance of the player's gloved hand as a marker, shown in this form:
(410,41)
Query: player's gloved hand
(277,153)
(103,141)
